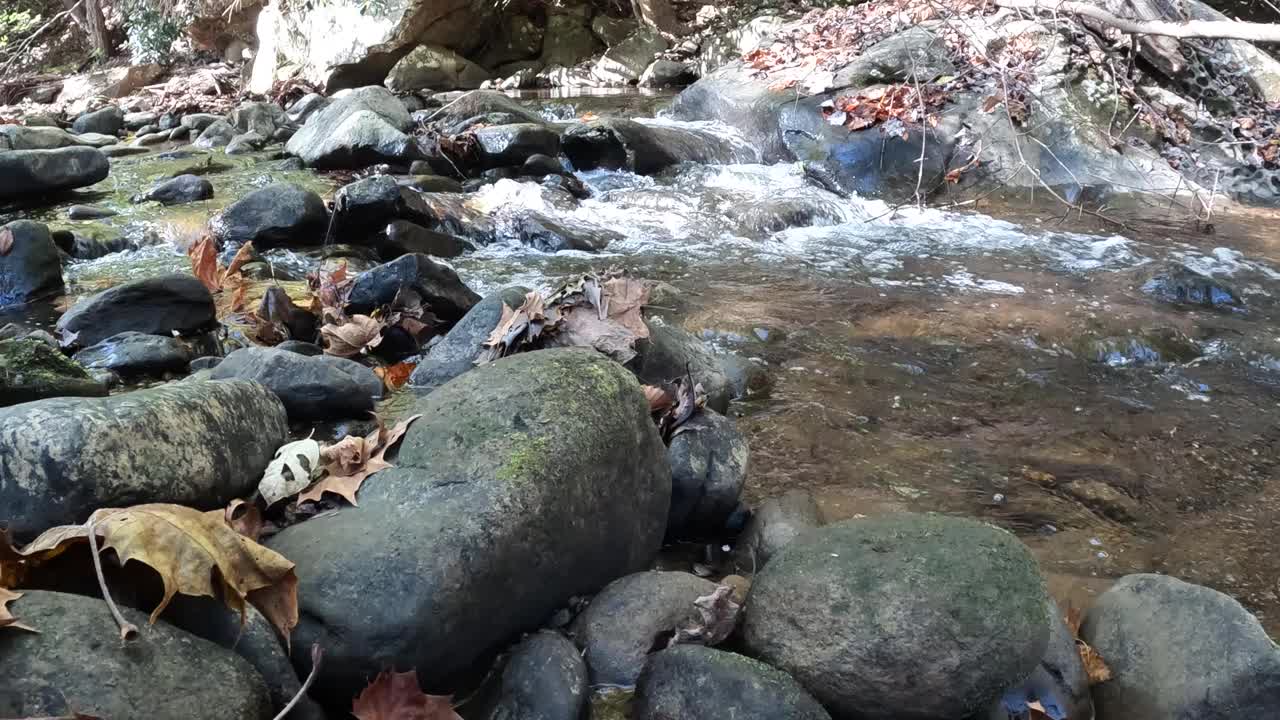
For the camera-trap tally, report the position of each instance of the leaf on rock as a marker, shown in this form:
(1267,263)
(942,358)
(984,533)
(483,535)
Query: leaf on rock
(6,619)
(624,297)
(395,376)
(659,399)
(396,696)
(242,256)
(581,327)
(195,553)
(245,518)
(690,399)
(348,463)
(717,617)
(329,294)
(291,471)
(204,262)
(6,241)
(1095,667)
(517,329)
(359,334)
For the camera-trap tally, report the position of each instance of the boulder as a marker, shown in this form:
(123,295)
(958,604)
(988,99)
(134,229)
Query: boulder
(693,681)
(169,673)
(263,118)
(618,144)
(461,347)
(32,172)
(772,526)
(549,234)
(136,120)
(516,38)
(366,206)
(1059,683)
(134,353)
(708,459)
(363,127)
(526,481)
(165,305)
(246,143)
(505,145)
(667,73)
(311,387)
(198,122)
(914,55)
(612,30)
(435,68)
(569,41)
(885,615)
(306,106)
(178,190)
(544,679)
(31,370)
(31,269)
(1179,651)
(117,82)
(623,63)
(19,137)
(621,625)
(670,351)
(216,135)
(106,121)
(436,283)
(1180,285)
(277,215)
(89,212)
(199,444)
(485,107)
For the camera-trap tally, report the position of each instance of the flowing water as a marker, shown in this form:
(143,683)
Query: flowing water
(1015,370)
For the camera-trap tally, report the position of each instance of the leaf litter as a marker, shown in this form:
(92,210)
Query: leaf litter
(397,696)
(7,619)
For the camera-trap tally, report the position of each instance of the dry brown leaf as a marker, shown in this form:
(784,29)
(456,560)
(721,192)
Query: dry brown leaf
(397,696)
(242,256)
(580,326)
(204,262)
(395,376)
(185,546)
(659,399)
(357,335)
(6,619)
(245,518)
(6,241)
(1094,665)
(717,617)
(349,462)
(624,297)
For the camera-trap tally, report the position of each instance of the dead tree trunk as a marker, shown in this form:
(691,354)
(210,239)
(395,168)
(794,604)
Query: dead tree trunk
(97,26)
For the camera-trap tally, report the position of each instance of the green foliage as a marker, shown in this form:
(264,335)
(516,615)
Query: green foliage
(16,23)
(151,30)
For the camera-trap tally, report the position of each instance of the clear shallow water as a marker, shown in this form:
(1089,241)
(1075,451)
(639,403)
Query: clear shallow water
(1010,369)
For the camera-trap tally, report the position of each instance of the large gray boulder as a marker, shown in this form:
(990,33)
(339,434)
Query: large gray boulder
(277,215)
(317,387)
(363,127)
(165,305)
(1179,651)
(626,61)
(134,353)
(105,121)
(440,288)
(31,269)
(647,148)
(526,481)
(884,617)
(166,674)
(461,347)
(21,137)
(486,107)
(32,172)
(693,681)
(263,118)
(198,444)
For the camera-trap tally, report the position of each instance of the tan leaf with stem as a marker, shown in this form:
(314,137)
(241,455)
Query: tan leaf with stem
(350,462)
(204,262)
(359,334)
(6,619)
(242,256)
(6,241)
(397,696)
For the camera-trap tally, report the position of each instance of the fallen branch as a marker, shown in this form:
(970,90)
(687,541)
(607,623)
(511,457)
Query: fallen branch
(1209,29)
(22,46)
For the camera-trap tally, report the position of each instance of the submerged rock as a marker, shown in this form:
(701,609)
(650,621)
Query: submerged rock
(692,681)
(548,234)
(526,481)
(402,237)
(32,172)
(31,268)
(507,145)
(32,370)
(311,387)
(178,190)
(169,673)
(133,353)
(1179,284)
(199,444)
(1179,651)
(461,347)
(881,616)
(162,305)
(437,284)
(278,215)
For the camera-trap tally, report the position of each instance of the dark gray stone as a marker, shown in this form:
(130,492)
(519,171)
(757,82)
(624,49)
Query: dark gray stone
(527,481)
(166,674)
(32,370)
(306,106)
(197,122)
(197,444)
(505,145)
(617,144)
(366,206)
(553,235)
(480,106)
(277,215)
(619,628)
(1178,284)
(216,135)
(136,120)
(666,354)
(693,681)
(544,679)
(300,347)
(107,121)
(32,269)
(311,387)
(32,172)
(258,117)
(438,285)
(772,526)
(246,143)
(885,615)
(156,306)
(364,127)
(708,459)
(402,237)
(914,55)
(1179,651)
(461,347)
(133,353)
(88,212)
(178,190)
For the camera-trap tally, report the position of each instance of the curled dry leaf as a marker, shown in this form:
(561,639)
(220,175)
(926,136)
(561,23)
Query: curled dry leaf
(195,553)
(293,468)
(348,463)
(6,241)
(397,696)
(245,518)
(242,256)
(717,617)
(6,619)
(1094,666)
(359,334)
(395,376)
(659,399)
(204,262)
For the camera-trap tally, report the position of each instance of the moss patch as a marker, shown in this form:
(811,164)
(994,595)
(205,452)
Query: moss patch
(32,360)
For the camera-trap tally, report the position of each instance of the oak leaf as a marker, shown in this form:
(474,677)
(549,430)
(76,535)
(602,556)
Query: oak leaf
(195,553)
(301,460)
(6,619)
(204,262)
(396,696)
(659,400)
(357,335)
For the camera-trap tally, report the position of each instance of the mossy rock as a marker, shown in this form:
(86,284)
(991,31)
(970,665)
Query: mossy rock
(31,370)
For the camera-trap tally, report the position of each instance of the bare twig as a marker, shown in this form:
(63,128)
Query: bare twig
(1212,29)
(26,42)
(317,655)
(128,631)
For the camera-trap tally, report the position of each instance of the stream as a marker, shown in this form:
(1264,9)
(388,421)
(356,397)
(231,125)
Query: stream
(1018,370)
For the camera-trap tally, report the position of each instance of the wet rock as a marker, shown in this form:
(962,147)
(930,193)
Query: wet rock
(618,144)
(107,121)
(435,68)
(178,190)
(527,481)
(914,55)
(667,73)
(568,184)
(32,370)
(830,608)
(246,143)
(748,377)
(708,459)
(1059,683)
(437,284)
(311,388)
(1105,499)
(669,351)
(553,235)
(165,305)
(278,215)
(619,628)
(431,183)
(480,107)
(197,444)
(364,127)
(197,122)
(155,138)
(538,165)
(148,129)
(282,135)
(32,172)
(132,353)
(116,151)
(186,677)
(544,679)
(461,347)
(772,526)
(88,247)
(1179,284)
(402,237)
(31,269)
(624,62)
(216,135)
(366,206)
(1179,651)
(179,133)
(306,106)
(88,212)
(258,117)
(135,120)
(300,347)
(504,145)
(207,362)
(613,30)
(693,681)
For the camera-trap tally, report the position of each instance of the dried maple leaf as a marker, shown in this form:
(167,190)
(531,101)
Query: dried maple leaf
(6,619)
(243,517)
(659,400)
(717,617)
(6,241)
(186,547)
(359,334)
(395,376)
(204,262)
(349,462)
(396,696)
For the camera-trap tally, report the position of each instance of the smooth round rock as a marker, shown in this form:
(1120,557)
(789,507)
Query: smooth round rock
(693,682)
